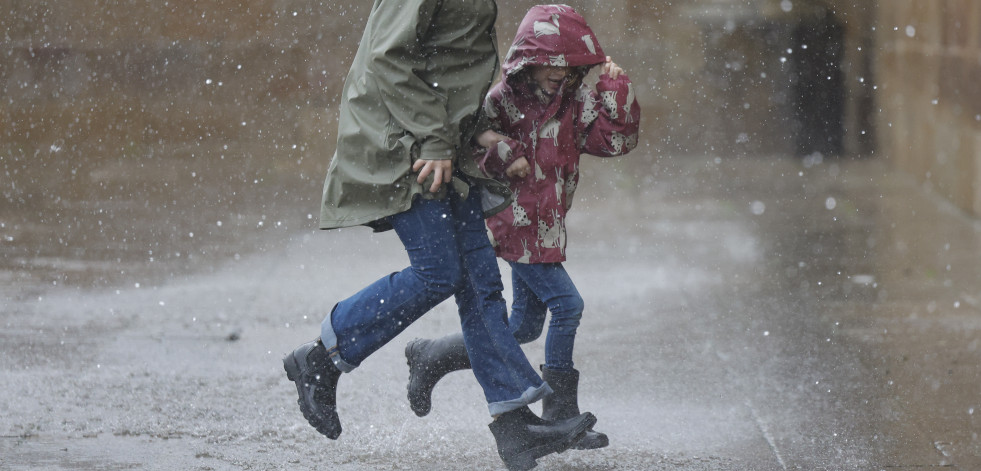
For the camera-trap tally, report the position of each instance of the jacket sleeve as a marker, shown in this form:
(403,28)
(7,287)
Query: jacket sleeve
(398,39)
(610,117)
(495,162)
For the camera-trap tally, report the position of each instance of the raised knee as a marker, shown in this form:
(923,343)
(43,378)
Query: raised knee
(571,312)
(578,306)
(528,332)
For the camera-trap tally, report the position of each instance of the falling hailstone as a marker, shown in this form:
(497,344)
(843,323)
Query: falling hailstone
(786,6)
(757,207)
(863,279)
(830,203)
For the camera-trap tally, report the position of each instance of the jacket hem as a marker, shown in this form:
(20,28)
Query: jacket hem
(373,221)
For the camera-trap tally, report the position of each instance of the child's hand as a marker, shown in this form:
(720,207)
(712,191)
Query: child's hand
(611,68)
(520,168)
(489,139)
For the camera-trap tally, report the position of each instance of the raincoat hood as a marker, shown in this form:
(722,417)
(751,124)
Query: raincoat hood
(554,35)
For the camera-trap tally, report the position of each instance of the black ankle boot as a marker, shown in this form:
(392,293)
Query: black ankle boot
(564,403)
(316,383)
(522,437)
(429,361)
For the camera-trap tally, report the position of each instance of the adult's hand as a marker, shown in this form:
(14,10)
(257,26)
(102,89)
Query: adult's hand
(442,171)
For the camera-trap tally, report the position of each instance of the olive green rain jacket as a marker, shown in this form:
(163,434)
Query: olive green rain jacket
(414,91)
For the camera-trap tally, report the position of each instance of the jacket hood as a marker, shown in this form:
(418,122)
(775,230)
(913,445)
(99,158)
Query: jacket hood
(553,35)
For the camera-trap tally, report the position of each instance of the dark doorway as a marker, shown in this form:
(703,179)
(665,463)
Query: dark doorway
(818,84)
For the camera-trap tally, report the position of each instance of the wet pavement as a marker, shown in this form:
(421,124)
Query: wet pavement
(763,313)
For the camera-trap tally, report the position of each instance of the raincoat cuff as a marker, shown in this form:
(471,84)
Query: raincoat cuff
(496,161)
(606,83)
(434,149)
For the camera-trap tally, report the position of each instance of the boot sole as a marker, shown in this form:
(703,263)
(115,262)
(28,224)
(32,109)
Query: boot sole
(421,410)
(292,368)
(528,459)
(590,442)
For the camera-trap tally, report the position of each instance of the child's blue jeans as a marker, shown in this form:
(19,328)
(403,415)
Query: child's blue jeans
(542,287)
(449,255)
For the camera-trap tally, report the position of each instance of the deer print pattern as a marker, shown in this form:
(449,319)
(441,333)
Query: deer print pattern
(550,130)
(547,28)
(571,183)
(629,102)
(503,151)
(589,106)
(617,140)
(526,255)
(514,114)
(559,184)
(589,43)
(610,103)
(521,218)
(554,236)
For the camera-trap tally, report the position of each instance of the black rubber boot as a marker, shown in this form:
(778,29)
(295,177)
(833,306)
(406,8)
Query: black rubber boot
(316,383)
(429,361)
(564,403)
(522,437)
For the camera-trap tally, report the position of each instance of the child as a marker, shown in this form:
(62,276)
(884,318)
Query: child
(412,99)
(552,118)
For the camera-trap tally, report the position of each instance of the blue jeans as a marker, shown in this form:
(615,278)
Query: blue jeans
(542,287)
(449,255)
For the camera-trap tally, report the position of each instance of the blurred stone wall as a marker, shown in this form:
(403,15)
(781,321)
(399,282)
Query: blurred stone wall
(929,66)
(120,74)
(714,76)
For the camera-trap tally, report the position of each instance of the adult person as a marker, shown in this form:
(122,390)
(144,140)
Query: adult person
(410,115)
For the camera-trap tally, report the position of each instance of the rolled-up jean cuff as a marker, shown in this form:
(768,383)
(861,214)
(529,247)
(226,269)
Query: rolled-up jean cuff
(529,396)
(329,339)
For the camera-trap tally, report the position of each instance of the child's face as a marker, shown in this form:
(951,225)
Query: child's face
(549,78)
